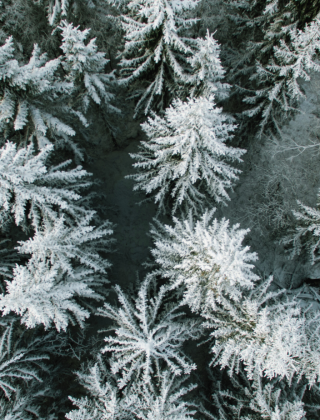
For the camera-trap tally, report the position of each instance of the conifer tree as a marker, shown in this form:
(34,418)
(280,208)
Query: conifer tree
(204,258)
(186,160)
(161,399)
(104,400)
(149,334)
(26,183)
(208,72)
(65,247)
(270,335)
(307,234)
(85,67)
(154,53)
(259,399)
(20,358)
(267,59)
(32,98)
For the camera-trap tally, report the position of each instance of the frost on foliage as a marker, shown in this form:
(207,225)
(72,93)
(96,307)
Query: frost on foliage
(208,72)
(58,9)
(28,190)
(43,294)
(260,399)
(163,400)
(104,400)
(25,405)
(64,246)
(154,51)
(149,333)
(205,257)
(279,80)
(307,233)
(65,263)
(32,97)
(8,258)
(186,158)
(20,359)
(272,337)
(85,66)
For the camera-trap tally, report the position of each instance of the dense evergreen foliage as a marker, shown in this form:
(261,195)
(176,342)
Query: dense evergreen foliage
(216,91)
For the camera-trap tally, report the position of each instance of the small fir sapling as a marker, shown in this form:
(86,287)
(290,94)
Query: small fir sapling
(307,234)
(186,160)
(31,191)
(154,51)
(85,67)
(204,258)
(149,333)
(271,336)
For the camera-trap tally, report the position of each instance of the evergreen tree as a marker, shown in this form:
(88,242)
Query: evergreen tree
(263,56)
(307,234)
(203,258)
(259,399)
(65,247)
(208,71)
(32,97)
(20,358)
(149,333)
(186,156)
(160,399)
(270,335)
(43,294)
(28,190)
(104,400)
(85,67)
(155,54)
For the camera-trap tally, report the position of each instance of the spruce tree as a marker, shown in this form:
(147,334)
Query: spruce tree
(155,54)
(186,160)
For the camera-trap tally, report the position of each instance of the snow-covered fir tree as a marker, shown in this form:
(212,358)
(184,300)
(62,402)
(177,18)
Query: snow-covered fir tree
(306,236)
(65,261)
(186,161)
(65,247)
(204,258)
(32,99)
(155,54)
(208,72)
(57,9)
(259,399)
(271,336)
(161,399)
(104,400)
(85,67)
(262,75)
(149,333)
(31,191)
(279,81)
(20,358)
